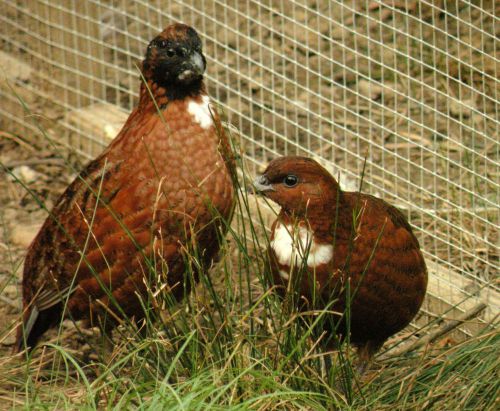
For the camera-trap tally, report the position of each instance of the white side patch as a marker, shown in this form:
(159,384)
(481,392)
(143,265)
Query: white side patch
(201,112)
(292,245)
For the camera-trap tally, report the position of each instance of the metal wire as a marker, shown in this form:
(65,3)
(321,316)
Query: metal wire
(413,86)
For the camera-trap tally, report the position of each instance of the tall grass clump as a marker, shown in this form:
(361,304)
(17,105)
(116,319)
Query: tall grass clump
(233,344)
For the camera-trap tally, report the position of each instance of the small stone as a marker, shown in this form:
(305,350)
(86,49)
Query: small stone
(23,235)
(9,339)
(462,108)
(339,33)
(85,348)
(369,89)
(111,24)
(68,324)
(10,291)
(25,174)
(12,68)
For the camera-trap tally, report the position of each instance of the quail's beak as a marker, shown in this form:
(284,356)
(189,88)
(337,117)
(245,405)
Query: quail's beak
(194,67)
(261,184)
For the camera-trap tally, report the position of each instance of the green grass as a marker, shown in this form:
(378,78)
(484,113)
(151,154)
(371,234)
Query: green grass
(230,345)
(191,372)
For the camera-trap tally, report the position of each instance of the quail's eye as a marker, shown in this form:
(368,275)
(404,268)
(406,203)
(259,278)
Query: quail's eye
(170,52)
(162,44)
(290,180)
(183,52)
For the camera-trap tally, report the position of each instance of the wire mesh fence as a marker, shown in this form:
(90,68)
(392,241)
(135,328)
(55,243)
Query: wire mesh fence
(412,86)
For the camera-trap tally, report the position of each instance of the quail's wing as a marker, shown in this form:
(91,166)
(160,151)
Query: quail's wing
(60,246)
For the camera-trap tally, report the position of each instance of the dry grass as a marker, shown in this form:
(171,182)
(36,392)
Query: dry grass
(229,346)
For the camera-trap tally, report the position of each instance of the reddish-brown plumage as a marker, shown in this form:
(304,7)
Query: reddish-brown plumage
(345,236)
(162,185)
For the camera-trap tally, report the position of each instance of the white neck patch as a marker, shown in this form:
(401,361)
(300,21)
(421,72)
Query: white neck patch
(201,112)
(292,244)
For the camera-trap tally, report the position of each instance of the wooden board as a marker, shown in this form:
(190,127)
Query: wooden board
(92,128)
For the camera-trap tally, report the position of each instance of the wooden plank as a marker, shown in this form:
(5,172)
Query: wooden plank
(92,128)
(13,69)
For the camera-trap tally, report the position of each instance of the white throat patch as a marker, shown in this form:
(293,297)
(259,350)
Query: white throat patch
(201,112)
(292,244)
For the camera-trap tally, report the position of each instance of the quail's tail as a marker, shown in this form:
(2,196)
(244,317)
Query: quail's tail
(35,323)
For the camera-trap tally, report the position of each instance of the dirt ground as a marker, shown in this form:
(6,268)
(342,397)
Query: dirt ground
(21,215)
(265,101)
